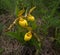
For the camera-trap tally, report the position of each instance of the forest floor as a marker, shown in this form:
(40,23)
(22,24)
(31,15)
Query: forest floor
(13,47)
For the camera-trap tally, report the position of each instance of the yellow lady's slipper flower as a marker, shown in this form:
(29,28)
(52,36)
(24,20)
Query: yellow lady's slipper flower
(28,36)
(30,17)
(23,22)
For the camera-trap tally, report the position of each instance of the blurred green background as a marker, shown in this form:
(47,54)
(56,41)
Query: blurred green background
(47,10)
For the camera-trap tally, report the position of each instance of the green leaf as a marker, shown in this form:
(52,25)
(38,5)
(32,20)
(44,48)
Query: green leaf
(16,11)
(34,42)
(13,35)
(16,35)
(34,25)
(58,37)
(1,50)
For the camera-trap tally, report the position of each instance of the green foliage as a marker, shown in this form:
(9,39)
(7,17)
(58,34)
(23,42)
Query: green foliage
(48,10)
(34,42)
(58,38)
(1,50)
(8,5)
(18,34)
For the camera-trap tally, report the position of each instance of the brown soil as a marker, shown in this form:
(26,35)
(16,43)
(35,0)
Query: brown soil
(13,47)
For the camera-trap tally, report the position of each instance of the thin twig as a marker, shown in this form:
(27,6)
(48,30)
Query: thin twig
(14,22)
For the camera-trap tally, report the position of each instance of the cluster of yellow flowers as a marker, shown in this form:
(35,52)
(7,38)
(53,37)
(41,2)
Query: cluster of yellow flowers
(24,23)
